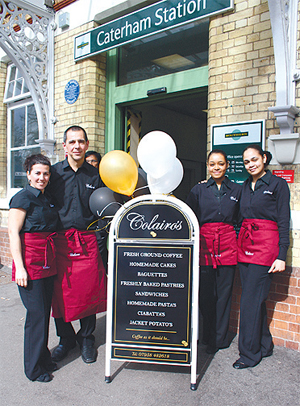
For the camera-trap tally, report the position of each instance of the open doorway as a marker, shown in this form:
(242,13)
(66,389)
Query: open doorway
(184,118)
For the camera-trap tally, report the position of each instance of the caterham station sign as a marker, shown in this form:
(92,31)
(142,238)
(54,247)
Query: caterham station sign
(161,16)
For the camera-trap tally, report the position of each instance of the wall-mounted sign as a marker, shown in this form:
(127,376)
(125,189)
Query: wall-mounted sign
(72,91)
(153,281)
(287,174)
(233,138)
(150,20)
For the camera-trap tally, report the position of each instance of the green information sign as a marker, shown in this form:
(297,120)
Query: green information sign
(150,20)
(233,138)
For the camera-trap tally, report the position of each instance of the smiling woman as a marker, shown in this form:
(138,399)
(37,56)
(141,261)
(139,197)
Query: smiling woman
(32,222)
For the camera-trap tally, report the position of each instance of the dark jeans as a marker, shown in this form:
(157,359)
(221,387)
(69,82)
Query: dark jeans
(84,336)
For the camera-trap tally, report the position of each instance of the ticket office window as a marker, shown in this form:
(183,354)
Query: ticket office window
(175,50)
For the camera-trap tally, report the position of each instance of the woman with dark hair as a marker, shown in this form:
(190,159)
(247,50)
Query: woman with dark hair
(216,205)
(262,248)
(32,222)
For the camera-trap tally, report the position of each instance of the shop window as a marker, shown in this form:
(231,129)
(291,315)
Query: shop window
(23,127)
(171,51)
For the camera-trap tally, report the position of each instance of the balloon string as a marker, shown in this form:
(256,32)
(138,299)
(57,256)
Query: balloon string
(99,229)
(142,187)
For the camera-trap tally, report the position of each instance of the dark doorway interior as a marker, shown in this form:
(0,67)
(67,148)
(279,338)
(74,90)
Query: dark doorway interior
(185,120)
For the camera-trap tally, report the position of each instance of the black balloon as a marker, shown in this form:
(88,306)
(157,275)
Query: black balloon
(104,202)
(142,184)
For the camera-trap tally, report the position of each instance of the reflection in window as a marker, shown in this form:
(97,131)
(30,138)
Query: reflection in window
(16,87)
(167,52)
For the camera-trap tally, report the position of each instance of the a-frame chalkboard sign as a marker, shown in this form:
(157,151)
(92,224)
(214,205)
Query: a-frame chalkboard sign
(153,284)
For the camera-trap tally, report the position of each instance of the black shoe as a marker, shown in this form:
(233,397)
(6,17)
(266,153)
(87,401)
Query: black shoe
(240,365)
(61,351)
(44,378)
(88,353)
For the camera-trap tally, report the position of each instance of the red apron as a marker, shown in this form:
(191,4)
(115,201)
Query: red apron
(258,242)
(80,286)
(218,244)
(38,254)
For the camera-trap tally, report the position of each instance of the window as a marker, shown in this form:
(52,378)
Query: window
(23,128)
(16,87)
(165,53)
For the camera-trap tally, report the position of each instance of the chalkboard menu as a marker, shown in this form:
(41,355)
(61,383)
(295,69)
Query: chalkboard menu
(153,282)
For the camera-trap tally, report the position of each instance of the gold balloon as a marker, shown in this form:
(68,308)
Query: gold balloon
(119,172)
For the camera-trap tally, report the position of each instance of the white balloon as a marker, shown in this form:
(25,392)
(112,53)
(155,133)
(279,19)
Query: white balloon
(156,153)
(169,181)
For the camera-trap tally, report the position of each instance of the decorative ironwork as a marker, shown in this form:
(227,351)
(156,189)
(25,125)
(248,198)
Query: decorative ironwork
(27,36)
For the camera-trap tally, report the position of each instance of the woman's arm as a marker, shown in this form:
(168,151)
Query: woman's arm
(16,218)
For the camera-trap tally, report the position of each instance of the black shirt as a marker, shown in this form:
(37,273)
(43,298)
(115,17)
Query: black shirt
(213,205)
(270,200)
(41,213)
(72,191)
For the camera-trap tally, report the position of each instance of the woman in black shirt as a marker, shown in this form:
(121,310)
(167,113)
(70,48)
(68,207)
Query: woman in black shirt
(216,205)
(32,223)
(262,248)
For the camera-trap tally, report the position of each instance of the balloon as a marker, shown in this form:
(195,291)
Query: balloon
(119,172)
(156,153)
(169,181)
(142,184)
(104,202)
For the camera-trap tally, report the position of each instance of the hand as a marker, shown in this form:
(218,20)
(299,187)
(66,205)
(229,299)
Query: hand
(21,277)
(277,266)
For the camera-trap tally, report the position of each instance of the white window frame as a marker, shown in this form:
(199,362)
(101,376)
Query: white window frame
(24,103)
(22,94)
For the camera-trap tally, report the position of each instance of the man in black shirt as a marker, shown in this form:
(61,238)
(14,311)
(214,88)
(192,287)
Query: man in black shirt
(80,288)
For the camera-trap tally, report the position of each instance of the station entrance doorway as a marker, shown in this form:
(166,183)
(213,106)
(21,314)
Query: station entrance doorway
(184,118)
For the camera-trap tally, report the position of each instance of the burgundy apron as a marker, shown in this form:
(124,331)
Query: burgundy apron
(80,286)
(38,254)
(218,245)
(258,242)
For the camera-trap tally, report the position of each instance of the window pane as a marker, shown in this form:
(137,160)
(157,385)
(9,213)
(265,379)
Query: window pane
(167,52)
(18,127)
(12,73)
(25,88)
(10,90)
(32,126)
(18,173)
(18,88)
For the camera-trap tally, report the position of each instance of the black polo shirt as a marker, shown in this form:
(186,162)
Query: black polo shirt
(41,213)
(269,201)
(213,205)
(72,191)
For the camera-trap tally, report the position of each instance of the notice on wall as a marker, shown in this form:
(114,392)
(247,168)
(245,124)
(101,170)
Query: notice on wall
(233,138)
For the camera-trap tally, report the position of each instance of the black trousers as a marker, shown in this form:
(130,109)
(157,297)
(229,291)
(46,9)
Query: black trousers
(215,303)
(255,340)
(36,297)
(84,336)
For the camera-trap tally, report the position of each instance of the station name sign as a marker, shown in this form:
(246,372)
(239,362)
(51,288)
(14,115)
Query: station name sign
(161,16)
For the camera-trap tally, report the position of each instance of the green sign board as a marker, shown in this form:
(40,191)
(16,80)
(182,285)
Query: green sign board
(150,20)
(233,138)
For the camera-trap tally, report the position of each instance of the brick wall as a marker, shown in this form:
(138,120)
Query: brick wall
(241,88)
(89,109)
(5,255)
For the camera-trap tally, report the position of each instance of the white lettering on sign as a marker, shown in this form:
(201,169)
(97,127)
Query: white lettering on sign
(138,222)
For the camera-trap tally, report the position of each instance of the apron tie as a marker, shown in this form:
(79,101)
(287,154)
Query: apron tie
(76,241)
(49,245)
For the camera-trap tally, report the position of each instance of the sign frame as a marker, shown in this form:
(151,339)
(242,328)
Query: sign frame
(222,134)
(122,350)
(84,46)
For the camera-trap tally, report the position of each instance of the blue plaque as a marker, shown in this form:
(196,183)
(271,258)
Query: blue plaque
(72,91)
